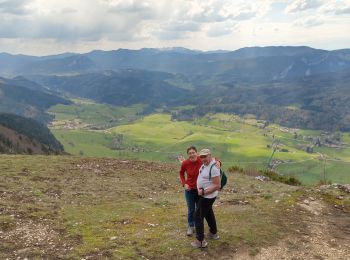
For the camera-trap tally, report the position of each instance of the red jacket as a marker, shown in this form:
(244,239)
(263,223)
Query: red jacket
(192,171)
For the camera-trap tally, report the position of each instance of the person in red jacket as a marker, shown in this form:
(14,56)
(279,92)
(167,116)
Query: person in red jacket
(189,182)
(188,176)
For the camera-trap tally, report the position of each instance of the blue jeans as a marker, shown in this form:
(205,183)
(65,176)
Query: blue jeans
(191,199)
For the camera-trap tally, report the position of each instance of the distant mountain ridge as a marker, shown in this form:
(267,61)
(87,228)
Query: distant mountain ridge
(283,61)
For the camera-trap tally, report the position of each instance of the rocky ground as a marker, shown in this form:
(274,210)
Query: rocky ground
(62,207)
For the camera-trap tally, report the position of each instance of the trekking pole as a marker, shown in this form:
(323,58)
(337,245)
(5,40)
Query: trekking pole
(324,169)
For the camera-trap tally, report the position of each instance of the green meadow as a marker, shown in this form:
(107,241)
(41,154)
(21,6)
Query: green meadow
(94,114)
(235,140)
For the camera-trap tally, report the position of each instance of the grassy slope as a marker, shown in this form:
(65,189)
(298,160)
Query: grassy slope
(338,160)
(237,143)
(85,142)
(95,114)
(71,207)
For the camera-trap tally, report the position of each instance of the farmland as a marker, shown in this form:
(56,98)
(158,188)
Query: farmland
(244,142)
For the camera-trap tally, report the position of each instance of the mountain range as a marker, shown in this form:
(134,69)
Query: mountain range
(260,63)
(309,85)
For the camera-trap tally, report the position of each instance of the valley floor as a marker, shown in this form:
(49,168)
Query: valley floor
(65,207)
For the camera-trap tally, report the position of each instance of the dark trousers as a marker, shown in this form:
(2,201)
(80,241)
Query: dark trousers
(191,199)
(205,210)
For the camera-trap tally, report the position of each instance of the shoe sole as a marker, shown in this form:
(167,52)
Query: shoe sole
(212,238)
(201,246)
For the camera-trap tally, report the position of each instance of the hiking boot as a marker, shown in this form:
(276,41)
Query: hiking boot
(212,236)
(190,231)
(199,244)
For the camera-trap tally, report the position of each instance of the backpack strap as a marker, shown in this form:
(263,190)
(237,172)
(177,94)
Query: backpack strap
(211,167)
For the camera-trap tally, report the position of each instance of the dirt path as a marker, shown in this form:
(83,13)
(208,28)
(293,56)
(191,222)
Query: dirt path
(327,236)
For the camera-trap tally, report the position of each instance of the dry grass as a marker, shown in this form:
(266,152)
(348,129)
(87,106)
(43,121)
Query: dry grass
(72,208)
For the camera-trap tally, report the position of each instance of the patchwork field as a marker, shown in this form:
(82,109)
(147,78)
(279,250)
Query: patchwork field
(88,114)
(244,142)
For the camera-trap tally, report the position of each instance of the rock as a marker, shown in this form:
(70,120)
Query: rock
(312,198)
(113,238)
(344,187)
(307,202)
(152,225)
(23,251)
(262,178)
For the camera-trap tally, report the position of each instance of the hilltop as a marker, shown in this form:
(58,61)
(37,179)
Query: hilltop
(74,208)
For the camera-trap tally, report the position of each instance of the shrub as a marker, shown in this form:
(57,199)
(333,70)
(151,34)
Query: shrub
(235,168)
(290,180)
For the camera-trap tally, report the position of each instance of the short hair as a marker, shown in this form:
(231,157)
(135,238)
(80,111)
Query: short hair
(191,148)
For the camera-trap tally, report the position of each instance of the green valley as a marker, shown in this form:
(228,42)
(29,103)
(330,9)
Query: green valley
(90,129)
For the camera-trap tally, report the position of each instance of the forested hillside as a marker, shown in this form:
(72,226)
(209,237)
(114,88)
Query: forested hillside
(26,136)
(25,101)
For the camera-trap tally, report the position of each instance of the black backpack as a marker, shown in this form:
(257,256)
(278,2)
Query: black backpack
(223,177)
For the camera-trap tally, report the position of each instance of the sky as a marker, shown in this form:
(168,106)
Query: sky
(41,27)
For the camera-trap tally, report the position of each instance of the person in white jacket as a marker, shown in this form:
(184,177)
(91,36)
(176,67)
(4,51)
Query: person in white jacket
(208,185)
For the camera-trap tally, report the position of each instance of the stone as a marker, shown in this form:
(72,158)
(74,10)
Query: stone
(344,187)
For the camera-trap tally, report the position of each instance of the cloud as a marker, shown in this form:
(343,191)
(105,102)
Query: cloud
(68,10)
(344,10)
(336,7)
(302,5)
(129,6)
(121,20)
(143,9)
(210,17)
(187,26)
(109,24)
(220,11)
(74,22)
(220,29)
(177,30)
(309,22)
(16,7)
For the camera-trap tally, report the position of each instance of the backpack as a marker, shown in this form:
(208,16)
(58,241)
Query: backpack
(223,177)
